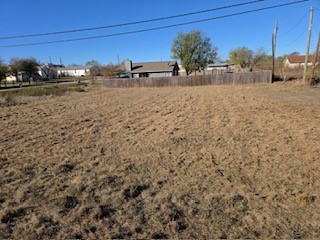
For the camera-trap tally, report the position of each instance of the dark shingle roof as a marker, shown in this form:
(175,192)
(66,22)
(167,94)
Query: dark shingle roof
(215,65)
(145,67)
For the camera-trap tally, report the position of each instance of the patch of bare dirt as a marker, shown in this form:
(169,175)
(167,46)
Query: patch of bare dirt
(193,162)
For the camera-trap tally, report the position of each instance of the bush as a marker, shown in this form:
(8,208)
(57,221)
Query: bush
(315,81)
(10,100)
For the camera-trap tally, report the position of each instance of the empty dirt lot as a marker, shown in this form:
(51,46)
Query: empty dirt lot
(193,162)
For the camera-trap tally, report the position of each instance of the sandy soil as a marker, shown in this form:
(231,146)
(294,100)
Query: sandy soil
(193,162)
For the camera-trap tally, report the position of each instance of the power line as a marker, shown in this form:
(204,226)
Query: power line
(296,39)
(295,25)
(130,23)
(155,28)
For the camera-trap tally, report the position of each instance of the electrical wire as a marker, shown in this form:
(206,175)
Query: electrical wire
(295,25)
(295,39)
(155,28)
(130,23)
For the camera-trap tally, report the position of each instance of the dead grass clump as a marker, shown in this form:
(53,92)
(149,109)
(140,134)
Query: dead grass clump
(306,199)
(134,192)
(10,217)
(178,216)
(315,81)
(46,227)
(160,235)
(105,212)
(2,200)
(70,202)
(10,100)
(114,181)
(66,168)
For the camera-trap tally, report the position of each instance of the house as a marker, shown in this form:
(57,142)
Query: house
(298,61)
(78,71)
(220,68)
(48,70)
(214,68)
(22,76)
(148,69)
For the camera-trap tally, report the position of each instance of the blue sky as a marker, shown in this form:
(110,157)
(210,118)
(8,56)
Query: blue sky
(253,30)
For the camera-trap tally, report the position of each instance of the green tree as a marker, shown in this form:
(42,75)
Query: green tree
(3,70)
(242,56)
(294,54)
(93,63)
(27,65)
(194,50)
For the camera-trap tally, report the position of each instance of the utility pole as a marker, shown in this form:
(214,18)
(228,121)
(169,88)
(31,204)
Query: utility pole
(308,44)
(274,44)
(316,56)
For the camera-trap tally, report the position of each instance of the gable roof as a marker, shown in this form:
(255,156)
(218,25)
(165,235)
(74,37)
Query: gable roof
(75,68)
(300,59)
(147,67)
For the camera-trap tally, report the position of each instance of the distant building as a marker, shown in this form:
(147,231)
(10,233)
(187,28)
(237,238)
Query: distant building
(220,68)
(77,71)
(214,68)
(21,76)
(298,61)
(148,69)
(48,70)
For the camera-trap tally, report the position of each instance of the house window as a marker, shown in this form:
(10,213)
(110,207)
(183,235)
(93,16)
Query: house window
(143,74)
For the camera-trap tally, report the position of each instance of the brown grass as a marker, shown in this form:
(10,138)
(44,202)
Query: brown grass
(23,96)
(193,162)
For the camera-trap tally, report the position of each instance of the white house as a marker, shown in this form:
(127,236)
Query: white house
(78,71)
(298,61)
(216,68)
(22,76)
(220,68)
(48,70)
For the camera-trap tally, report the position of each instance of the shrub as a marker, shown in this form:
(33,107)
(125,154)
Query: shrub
(10,100)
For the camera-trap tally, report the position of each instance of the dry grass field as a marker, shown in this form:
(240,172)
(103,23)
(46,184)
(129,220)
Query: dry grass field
(191,162)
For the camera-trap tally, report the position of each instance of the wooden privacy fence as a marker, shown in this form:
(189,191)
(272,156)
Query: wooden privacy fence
(217,79)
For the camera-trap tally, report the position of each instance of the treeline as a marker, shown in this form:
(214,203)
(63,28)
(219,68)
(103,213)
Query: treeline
(109,70)
(27,65)
(193,50)
(31,66)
